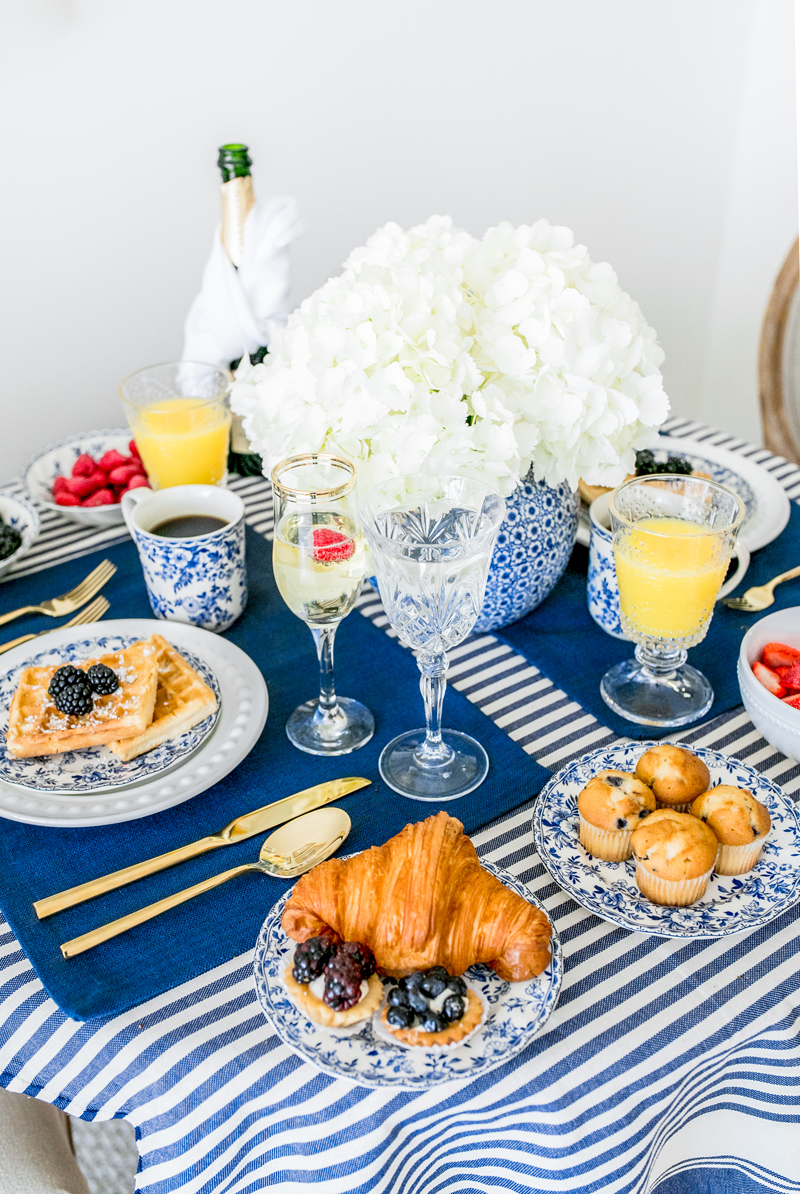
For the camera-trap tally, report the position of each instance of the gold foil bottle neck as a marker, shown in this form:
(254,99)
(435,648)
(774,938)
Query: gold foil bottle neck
(237,199)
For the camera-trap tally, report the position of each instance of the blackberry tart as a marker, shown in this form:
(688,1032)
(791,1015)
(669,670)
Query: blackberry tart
(334,983)
(431,1009)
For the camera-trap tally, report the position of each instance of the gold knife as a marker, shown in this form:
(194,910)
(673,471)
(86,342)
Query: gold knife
(239,830)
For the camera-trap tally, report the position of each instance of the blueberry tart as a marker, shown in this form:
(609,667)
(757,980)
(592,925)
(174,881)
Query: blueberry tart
(431,1008)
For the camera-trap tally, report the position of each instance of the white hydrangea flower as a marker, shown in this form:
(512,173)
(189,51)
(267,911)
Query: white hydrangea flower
(433,351)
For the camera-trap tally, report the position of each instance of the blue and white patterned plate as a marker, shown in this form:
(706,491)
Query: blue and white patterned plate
(732,904)
(515,1013)
(96,768)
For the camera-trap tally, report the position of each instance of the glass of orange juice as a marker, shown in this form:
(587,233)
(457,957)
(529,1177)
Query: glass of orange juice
(181,422)
(673,539)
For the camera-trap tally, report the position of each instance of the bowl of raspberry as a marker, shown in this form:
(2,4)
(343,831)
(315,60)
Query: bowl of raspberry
(84,476)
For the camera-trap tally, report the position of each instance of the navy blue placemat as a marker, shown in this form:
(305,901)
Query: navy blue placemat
(37,861)
(571,650)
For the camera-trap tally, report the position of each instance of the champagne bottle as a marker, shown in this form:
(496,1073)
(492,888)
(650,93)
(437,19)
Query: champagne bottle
(237,199)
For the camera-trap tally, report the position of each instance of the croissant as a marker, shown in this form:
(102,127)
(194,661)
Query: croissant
(423,899)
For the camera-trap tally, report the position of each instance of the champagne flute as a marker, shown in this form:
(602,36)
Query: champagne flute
(431,541)
(673,539)
(318,557)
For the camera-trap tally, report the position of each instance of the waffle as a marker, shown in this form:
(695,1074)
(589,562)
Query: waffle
(183,699)
(35,726)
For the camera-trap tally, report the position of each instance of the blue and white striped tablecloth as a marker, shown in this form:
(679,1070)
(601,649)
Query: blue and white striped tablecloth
(667,1065)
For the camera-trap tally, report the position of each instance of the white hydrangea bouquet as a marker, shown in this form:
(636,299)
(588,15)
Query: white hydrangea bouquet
(435,351)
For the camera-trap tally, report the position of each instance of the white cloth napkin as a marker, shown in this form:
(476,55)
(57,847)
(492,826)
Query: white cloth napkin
(237,311)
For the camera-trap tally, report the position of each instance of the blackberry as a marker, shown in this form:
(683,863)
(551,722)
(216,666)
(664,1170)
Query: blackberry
(397,998)
(10,541)
(433,1022)
(362,955)
(453,1008)
(400,1017)
(342,983)
(102,679)
(310,958)
(647,465)
(64,677)
(74,700)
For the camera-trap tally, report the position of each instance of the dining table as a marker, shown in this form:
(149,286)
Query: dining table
(668,1064)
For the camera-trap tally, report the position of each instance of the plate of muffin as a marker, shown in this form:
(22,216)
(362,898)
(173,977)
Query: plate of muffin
(409,964)
(661,839)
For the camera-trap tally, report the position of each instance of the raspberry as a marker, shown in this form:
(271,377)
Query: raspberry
(331,547)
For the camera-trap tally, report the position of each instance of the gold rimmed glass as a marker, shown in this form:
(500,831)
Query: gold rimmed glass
(673,540)
(318,557)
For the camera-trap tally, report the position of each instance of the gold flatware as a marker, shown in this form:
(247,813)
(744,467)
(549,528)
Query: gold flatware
(760,596)
(92,613)
(287,853)
(67,603)
(238,830)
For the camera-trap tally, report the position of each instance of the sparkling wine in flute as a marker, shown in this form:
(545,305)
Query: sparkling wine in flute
(318,560)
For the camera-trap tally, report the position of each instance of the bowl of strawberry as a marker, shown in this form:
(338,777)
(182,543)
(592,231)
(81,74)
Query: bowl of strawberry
(769,678)
(84,477)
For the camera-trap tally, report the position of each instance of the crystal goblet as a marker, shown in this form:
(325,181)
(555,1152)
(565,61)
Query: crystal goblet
(431,541)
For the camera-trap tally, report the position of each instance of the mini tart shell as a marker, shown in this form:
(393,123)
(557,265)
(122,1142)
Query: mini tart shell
(609,845)
(320,1013)
(448,1036)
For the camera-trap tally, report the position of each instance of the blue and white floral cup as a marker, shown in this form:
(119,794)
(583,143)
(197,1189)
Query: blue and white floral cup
(602,590)
(199,580)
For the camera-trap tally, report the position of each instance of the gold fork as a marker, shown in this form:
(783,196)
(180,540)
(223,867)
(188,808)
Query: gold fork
(67,603)
(760,596)
(92,613)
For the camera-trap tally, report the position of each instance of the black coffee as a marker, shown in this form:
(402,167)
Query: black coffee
(189,526)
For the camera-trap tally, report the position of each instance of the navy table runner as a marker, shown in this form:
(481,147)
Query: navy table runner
(563,641)
(177,946)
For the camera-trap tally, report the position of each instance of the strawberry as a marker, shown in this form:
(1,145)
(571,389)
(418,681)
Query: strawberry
(134,451)
(139,481)
(84,486)
(331,547)
(123,473)
(112,459)
(103,497)
(60,485)
(769,679)
(790,677)
(65,498)
(84,466)
(779,655)
(793,700)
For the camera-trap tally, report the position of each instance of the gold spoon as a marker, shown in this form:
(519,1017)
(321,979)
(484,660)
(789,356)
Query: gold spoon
(288,852)
(760,596)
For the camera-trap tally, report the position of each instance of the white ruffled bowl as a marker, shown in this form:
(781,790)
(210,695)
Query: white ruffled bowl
(18,513)
(57,459)
(777,721)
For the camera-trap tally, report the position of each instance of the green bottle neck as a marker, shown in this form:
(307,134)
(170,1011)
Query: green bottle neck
(234,162)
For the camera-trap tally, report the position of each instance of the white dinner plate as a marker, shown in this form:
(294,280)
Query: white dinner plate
(765,499)
(96,768)
(732,903)
(514,1014)
(242,714)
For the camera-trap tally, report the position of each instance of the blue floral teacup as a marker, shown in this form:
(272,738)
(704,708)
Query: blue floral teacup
(602,590)
(200,579)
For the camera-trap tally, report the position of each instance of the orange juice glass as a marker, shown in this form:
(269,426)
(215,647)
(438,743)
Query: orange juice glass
(180,419)
(673,539)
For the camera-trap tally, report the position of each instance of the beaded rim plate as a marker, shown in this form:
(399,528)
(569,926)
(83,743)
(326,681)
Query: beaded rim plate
(516,1012)
(732,904)
(96,768)
(243,712)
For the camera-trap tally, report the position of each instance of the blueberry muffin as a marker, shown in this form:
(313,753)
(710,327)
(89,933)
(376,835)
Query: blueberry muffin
(675,855)
(741,824)
(676,776)
(611,805)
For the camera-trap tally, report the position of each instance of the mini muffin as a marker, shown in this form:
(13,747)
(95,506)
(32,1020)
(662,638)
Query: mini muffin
(611,806)
(676,776)
(741,824)
(675,855)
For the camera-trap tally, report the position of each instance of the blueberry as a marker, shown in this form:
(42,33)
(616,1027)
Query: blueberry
(397,998)
(622,823)
(412,981)
(453,1008)
(457,986)
(433,986)
(643,812)
(437,972)
(614,781)
(432,1022)
(400,1017)
(417,1001)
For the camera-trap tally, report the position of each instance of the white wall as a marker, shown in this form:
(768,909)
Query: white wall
(662,131)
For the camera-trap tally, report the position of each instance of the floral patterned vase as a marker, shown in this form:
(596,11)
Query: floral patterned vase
(534,545)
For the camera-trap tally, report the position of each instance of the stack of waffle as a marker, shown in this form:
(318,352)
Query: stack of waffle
(159,696)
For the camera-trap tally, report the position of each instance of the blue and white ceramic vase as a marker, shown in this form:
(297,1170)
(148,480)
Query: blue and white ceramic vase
(533,548)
